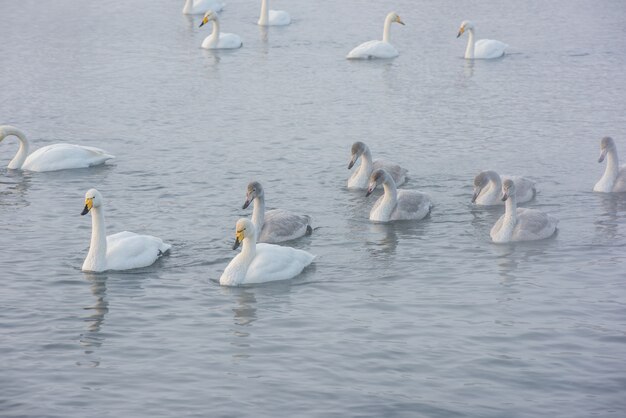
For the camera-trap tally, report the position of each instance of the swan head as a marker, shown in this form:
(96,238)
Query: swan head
(93,199)
(606,144)
(208,16)
(395,18)
(358,148)
(480,182)
(508,189)
(244,229)
(254,190)
(377,177)
(465,25)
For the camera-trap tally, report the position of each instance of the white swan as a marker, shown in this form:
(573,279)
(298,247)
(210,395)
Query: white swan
(378,49)
(396,205)
(483,48)
(488,187)
(217,40)
(520,224)
(197,7)
(121,251)
(360,178)
(272,17)
(52,157)
(614,178)
(259,263)
(276,225)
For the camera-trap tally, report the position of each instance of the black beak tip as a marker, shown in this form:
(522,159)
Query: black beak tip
(246,204)
(350,165)
(236,245)
(369,192)
(85,211)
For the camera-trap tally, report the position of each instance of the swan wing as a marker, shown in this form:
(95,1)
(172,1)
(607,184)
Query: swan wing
(533,224)
(496,227)
(411,205)
(127,250)
(620,182)
(489,49)
(398,173)
(229,41)
(65,156)
(282,225)
(373,49)
(274,262)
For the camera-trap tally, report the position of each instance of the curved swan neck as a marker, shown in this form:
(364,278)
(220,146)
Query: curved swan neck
(215,34)
(22,152)
(494,187)
(258,213)
(96,258)
(248,250)
(612,166)
(265,13)
(510,210)
(367,165)
(469,51)
(188,6)
(387,28)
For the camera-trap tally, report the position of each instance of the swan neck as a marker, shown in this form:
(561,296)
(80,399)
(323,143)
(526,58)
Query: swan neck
(215,34)
(188,6)
(265,12)
(96,258)
(367,165)
(469,51)
(22,152)
(612,166)
(387,28)
(494,188)
(248,250)
(390,199)
(258,213)
(510,210)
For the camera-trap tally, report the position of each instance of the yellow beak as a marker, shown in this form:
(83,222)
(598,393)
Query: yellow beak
(88,206)
(460,32)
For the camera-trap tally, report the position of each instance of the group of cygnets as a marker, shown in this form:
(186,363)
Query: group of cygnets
(480,49)
(266,261)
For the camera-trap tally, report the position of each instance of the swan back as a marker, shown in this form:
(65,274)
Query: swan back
(65,156)
(283,225)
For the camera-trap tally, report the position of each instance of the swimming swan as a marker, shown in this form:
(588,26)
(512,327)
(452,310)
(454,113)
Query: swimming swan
(121,251)
(396,205)
(276,225)
(259,263)
(361,176)
(217,40)
(483,48)
(52,157)
(614,178)
(488,187)
(520,224)
(272,17)
(378,49)
(197,7)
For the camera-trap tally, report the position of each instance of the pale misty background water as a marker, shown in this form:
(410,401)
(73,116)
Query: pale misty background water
(414,319)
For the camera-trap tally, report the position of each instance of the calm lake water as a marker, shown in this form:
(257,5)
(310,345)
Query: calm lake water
(413,319)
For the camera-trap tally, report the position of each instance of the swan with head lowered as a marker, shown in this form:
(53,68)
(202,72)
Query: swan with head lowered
(614,178)
(276,225)
(122,251)
(396,205)
(218,40)
(520,224)
(360,178)
(260,263)
(197,7)
(272,17)
(52,157)
(488,188)
(378,49)
(483,48)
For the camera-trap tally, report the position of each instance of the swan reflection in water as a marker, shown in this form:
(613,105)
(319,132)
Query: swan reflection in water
(91,339)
